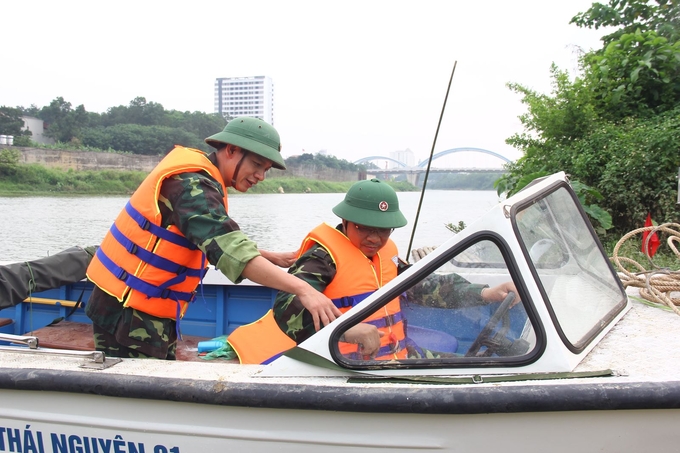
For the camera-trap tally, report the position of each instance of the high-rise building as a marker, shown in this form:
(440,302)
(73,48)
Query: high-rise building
(406,156)
(245,96)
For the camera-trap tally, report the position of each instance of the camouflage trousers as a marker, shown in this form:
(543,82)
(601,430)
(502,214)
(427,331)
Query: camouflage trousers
(145,337)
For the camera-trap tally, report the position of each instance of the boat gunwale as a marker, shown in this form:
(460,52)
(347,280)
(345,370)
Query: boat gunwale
(609,393)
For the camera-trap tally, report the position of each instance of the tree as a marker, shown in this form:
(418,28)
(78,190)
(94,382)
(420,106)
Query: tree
(9,158)
(137,112)
(137,139)
(615,128)
(11,122)
(637,74)
(33,111)
(661,16)
(63,123)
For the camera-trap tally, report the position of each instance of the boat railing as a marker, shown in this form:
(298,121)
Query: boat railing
(30,345)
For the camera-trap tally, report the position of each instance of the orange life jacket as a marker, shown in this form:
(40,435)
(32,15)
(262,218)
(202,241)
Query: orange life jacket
(147,267)
(356,278)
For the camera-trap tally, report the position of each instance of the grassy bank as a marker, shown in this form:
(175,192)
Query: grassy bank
(36,180)
(302,185)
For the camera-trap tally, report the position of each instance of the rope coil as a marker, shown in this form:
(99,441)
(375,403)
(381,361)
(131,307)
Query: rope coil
(657,283)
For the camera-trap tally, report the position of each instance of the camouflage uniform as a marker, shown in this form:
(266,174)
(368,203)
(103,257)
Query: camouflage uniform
(316,267)
(194,203)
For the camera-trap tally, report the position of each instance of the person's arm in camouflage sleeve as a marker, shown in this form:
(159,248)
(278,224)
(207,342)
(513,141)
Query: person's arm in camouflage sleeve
(453,291)
(316,267)
(443,291)
(194,203)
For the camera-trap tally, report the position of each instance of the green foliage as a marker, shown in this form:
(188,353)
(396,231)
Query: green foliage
(138,112)
(11,122)
(601,219)
(24,140)
(298,185)
(141,127)
(615,129)
(456,228)
(662,16)
(142,113)
(636,75)
(322,161)
(462,181)
(137,139)
(9,159)
(304,185)
(36,179)
(639,172)
(63,124)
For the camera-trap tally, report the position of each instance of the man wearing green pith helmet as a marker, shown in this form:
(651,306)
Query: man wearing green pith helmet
(151,261)
(356,258)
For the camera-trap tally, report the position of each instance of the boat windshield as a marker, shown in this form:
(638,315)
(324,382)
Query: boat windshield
(452,315)
(577,281)
(471,306)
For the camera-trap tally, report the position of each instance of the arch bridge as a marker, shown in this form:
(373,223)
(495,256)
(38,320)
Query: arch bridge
(413,172)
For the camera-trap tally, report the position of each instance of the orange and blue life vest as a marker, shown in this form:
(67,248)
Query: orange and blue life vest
(145,266)
(356,278)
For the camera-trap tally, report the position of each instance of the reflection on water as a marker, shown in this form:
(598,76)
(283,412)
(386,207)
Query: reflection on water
(32,227)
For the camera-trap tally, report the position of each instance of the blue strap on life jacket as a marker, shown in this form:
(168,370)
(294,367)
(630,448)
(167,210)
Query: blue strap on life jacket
(386,321)
(154,229)
(153,259)
(350,301)
(137,284)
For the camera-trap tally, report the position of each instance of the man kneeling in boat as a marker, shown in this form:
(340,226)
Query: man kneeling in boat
(347,264)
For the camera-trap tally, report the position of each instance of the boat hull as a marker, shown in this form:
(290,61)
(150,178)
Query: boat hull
(82,422)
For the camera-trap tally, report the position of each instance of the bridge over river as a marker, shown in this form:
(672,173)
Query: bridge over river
(413,172)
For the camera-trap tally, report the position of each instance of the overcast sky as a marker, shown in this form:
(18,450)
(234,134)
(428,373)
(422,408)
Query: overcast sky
(355,78)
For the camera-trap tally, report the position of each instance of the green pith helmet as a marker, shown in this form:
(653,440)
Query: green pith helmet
(251,134)
(371,203)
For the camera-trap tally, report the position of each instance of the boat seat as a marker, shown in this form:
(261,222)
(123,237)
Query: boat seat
(434,340)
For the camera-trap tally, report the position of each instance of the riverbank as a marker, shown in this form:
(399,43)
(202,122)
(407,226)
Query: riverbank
(36,180)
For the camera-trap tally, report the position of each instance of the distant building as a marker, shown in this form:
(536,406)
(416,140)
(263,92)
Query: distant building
(406,156)
(37,128)
(245,96)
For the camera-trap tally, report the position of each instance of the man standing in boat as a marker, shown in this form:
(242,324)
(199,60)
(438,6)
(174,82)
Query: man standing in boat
(154,256)
(348,263)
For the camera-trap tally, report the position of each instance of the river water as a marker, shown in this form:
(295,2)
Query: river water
(33,227)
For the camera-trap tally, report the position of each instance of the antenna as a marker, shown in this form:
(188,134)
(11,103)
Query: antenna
(429,163)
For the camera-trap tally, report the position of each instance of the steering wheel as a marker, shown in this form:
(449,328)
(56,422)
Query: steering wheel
(501,313)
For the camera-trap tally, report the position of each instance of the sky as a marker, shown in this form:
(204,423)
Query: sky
(353,78)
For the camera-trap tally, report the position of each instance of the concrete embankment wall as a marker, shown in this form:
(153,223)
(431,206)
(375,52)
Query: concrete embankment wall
(89,160)
(311,172)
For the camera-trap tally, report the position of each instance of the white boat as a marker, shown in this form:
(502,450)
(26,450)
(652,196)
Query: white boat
(576,366)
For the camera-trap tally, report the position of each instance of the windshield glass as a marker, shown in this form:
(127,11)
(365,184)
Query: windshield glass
(578,282)
(466,312)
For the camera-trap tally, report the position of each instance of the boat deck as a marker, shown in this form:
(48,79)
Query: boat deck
(78,336)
